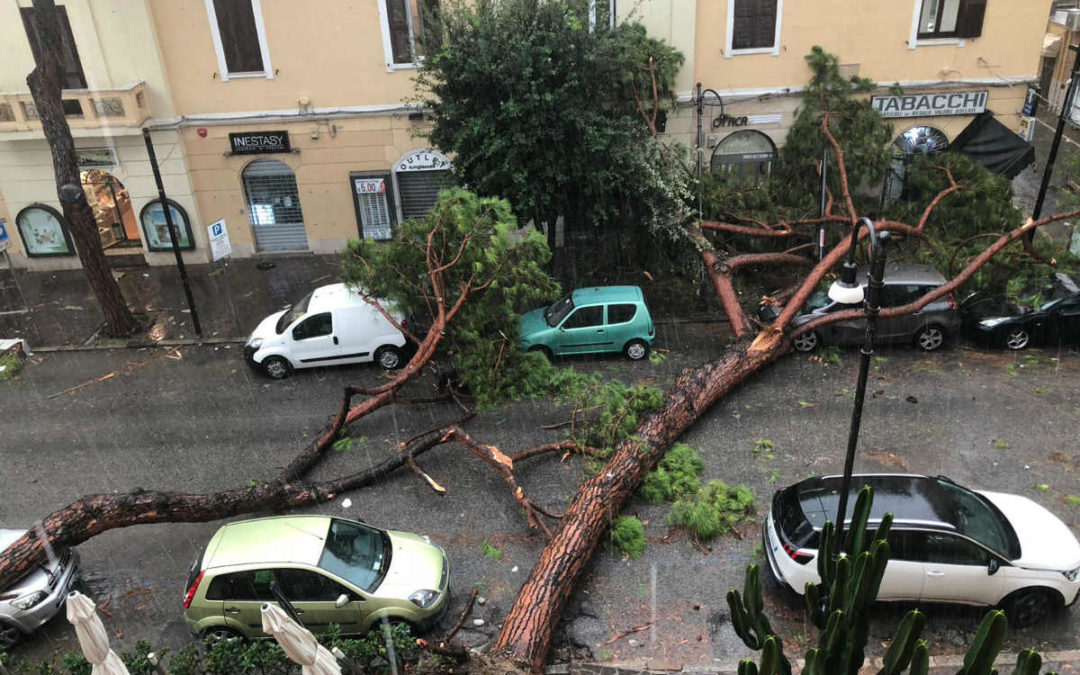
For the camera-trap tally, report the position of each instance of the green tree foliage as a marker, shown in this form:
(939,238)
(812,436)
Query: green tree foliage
(676,475)
(715,509)
(628,536)
(542,111)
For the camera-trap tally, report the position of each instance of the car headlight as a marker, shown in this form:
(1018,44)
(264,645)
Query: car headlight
(1071,574)
(255,343)
(424,598)
(29,600)
(993,321)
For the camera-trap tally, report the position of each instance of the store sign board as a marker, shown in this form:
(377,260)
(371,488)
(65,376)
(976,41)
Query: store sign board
(259,142)
(931,105)
(422,160)
(220,246)
(92,158)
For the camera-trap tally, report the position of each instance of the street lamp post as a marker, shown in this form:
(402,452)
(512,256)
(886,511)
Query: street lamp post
(700,101)
(847,290)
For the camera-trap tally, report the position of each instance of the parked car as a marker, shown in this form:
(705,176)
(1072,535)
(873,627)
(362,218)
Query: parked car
(37,597)
(994,321)
(928,329)
(591,321)
(331,325)
(332,570)
(948,543)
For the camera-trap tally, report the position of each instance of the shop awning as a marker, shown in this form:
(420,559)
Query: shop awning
(1051,45)
(993,145)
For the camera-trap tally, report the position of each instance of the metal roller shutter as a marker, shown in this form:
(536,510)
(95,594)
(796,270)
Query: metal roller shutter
(419,190)
(274,206)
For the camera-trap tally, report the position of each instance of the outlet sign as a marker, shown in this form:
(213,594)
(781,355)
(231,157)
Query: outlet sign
(931,105)
(259,142)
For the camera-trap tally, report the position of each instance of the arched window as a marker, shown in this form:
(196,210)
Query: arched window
(274,206)
(908,146)
(43,231)
(747,155)
(156,228)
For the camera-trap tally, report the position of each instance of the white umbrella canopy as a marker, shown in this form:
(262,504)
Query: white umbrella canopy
(93,639)
(298,643)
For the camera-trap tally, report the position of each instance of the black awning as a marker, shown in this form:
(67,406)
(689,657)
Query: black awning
(993,145)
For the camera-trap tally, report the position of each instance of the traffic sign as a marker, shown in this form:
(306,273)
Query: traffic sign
(220,246)
(5,239)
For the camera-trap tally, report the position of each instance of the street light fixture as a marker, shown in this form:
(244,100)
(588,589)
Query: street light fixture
(700,101)
(847,290)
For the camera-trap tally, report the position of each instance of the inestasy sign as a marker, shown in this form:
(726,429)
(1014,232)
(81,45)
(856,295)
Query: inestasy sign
(931,105)
(259,142)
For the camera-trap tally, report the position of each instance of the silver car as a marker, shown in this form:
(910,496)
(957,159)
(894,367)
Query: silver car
(37,597)
(928,329)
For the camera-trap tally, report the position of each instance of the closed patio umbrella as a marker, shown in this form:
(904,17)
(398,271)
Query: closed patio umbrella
(298,643)
(93,639)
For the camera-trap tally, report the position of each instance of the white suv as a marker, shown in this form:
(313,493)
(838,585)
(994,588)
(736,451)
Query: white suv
(948,543)
(37,597)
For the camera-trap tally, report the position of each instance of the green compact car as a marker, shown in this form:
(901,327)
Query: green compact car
(591,321)
(332,570)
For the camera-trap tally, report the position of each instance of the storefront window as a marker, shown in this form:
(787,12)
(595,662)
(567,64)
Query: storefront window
(274,206)
(156,230)
(909,145)
(745,155)
(374,203)
(421,175)
(43,232)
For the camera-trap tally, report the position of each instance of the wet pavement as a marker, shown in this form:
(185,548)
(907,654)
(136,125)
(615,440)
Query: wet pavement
(196,419)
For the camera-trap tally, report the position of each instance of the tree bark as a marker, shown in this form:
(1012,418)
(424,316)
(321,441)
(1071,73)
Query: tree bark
(527,629)
(45,87)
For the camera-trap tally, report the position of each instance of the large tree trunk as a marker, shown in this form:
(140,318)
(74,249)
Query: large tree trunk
(45,86)
(526,632)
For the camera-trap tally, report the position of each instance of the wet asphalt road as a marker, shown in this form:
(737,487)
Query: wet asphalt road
(199,421)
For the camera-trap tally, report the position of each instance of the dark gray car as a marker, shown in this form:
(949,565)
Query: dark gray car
(928,329)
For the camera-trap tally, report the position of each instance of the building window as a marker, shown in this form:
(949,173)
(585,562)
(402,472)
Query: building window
(373,198)
(43,232)
(908,146)
(73,72)
(406,30)
(274,206)
(156,230)
(951,18)
(239,35)
(746,156)
(754,26)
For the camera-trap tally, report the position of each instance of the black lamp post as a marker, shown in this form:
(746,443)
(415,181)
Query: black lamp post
(847,290)
(700,102)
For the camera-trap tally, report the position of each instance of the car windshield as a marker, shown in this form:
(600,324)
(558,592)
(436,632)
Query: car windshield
(292,313)
(358,554)
(975,517)
(818,300)
(558,310)
(1051,304)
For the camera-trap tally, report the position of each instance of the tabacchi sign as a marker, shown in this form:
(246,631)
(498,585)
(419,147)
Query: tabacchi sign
(931,105)
(259,142)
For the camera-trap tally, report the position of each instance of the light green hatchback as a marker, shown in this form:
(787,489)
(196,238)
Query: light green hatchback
(591,321)
(332,570)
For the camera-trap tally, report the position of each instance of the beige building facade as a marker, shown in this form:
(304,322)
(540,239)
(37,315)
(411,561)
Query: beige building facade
(294,124)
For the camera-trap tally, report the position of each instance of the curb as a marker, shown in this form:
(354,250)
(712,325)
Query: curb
(665,667)
(140,345)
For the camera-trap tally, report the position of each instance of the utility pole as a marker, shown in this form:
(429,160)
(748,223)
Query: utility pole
(174,234)
(1063,116)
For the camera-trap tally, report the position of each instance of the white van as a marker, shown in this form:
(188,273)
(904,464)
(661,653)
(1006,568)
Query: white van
(331,325)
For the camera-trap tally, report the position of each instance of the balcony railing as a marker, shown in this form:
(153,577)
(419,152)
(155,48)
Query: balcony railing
(84,109)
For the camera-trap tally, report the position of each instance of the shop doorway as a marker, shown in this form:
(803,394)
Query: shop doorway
(274,206)
(109,200)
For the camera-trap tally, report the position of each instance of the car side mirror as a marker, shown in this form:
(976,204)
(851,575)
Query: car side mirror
(993,567)
(341,601)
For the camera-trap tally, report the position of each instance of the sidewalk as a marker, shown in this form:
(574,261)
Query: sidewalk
(64,312)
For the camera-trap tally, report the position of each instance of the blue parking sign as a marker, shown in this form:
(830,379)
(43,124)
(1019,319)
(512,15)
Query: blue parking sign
(5,240)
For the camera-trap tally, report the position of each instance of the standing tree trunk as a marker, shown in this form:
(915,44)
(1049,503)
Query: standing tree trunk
(527,629)
(45,87)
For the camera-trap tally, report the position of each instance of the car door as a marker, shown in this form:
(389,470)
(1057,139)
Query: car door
(353,327)
(903,578)
(313,341)
(899,328)
(314,596)
(850,331)
(621,327)
(958,570)
(242,595)
(583,332)
(1067,320)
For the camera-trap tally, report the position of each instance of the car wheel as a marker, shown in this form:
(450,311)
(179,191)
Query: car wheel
(276,367)
(541,349)
(1027,608)
(388,357)
(1017,339)
(220,634)
(807,342)
(636,350)
(930,338)
(9,636)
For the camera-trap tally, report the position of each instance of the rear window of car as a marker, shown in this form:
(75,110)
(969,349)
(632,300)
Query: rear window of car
(621,313)
(793,523)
